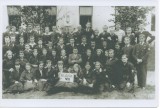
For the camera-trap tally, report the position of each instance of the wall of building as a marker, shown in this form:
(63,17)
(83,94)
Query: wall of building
(101,15)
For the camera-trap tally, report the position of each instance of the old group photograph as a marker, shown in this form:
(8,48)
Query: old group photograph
(78,52)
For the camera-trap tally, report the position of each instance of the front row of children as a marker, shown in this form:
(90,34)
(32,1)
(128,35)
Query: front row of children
(117,74)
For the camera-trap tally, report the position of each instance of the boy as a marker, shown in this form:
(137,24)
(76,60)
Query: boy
(105,35)
(74,57)
(15,84)
(27,51)
(145,33)
(118,51)
(32,43)
(119,32)
(28,78)
(83,46)
(140,55)
(130,35)
(88,32)
(40,76)
(100,79)
(46,36)
(111,67)
(127,49)
(126,74)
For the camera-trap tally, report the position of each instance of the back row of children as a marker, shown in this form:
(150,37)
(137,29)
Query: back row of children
(100,62)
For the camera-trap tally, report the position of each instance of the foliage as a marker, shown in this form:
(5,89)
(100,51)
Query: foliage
(130,16)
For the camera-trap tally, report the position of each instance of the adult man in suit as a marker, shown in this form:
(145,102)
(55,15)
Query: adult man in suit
(140,54)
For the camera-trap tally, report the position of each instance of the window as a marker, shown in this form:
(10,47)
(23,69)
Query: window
(153,22)
(85,15)
(14,16)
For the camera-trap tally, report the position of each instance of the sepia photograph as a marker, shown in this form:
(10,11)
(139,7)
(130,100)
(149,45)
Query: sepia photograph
(79,52)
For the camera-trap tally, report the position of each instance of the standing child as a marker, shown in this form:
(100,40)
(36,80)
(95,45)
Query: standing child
(140,55)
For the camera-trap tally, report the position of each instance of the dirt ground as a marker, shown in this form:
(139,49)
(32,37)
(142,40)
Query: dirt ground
(148,93)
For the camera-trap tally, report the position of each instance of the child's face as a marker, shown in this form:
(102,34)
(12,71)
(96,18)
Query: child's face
(128,31)
(13,39)
(118,26)
(7,40)
(60,65)
(111,54)
(44,51)
(9,55)
(31,40)
(141,39)
(54,29)
(84,40)
(88,52)
(117,46)
(61,41)
(106,53)
(63,52)
(27,47)
(75,68)
(93,44)
(75,51)
(35,52)
(96,32)
(104,43)
(97,65)
(17,66)
(21,55)
(88,25)
(37,28)
(124,59)
(40,42)
(49,64)
(47,30)
(21,40)
(126,41)
(87,67)
(41,66)
(105,29)
(54,53)
(98,52)
(28,67)
(72,41)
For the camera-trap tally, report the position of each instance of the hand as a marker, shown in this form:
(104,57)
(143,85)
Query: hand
(16,82)
(43,80)
(106,76)
(29,81)
(84,81)
(109,38)
(35,81)
(128,84)
(113,86)
(11,70)
(90,85)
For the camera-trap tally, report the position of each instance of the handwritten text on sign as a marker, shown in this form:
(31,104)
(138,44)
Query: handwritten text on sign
(67,77)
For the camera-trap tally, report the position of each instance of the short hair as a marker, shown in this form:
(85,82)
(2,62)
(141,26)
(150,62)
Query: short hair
(141,35)
(128,28)
(111,50)
(41,62)
(125,55)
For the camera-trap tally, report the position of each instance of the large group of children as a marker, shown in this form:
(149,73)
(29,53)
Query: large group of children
(34,59)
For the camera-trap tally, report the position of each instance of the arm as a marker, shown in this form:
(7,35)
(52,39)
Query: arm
(144,58)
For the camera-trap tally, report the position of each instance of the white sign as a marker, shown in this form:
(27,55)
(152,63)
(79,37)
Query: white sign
(67,77)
